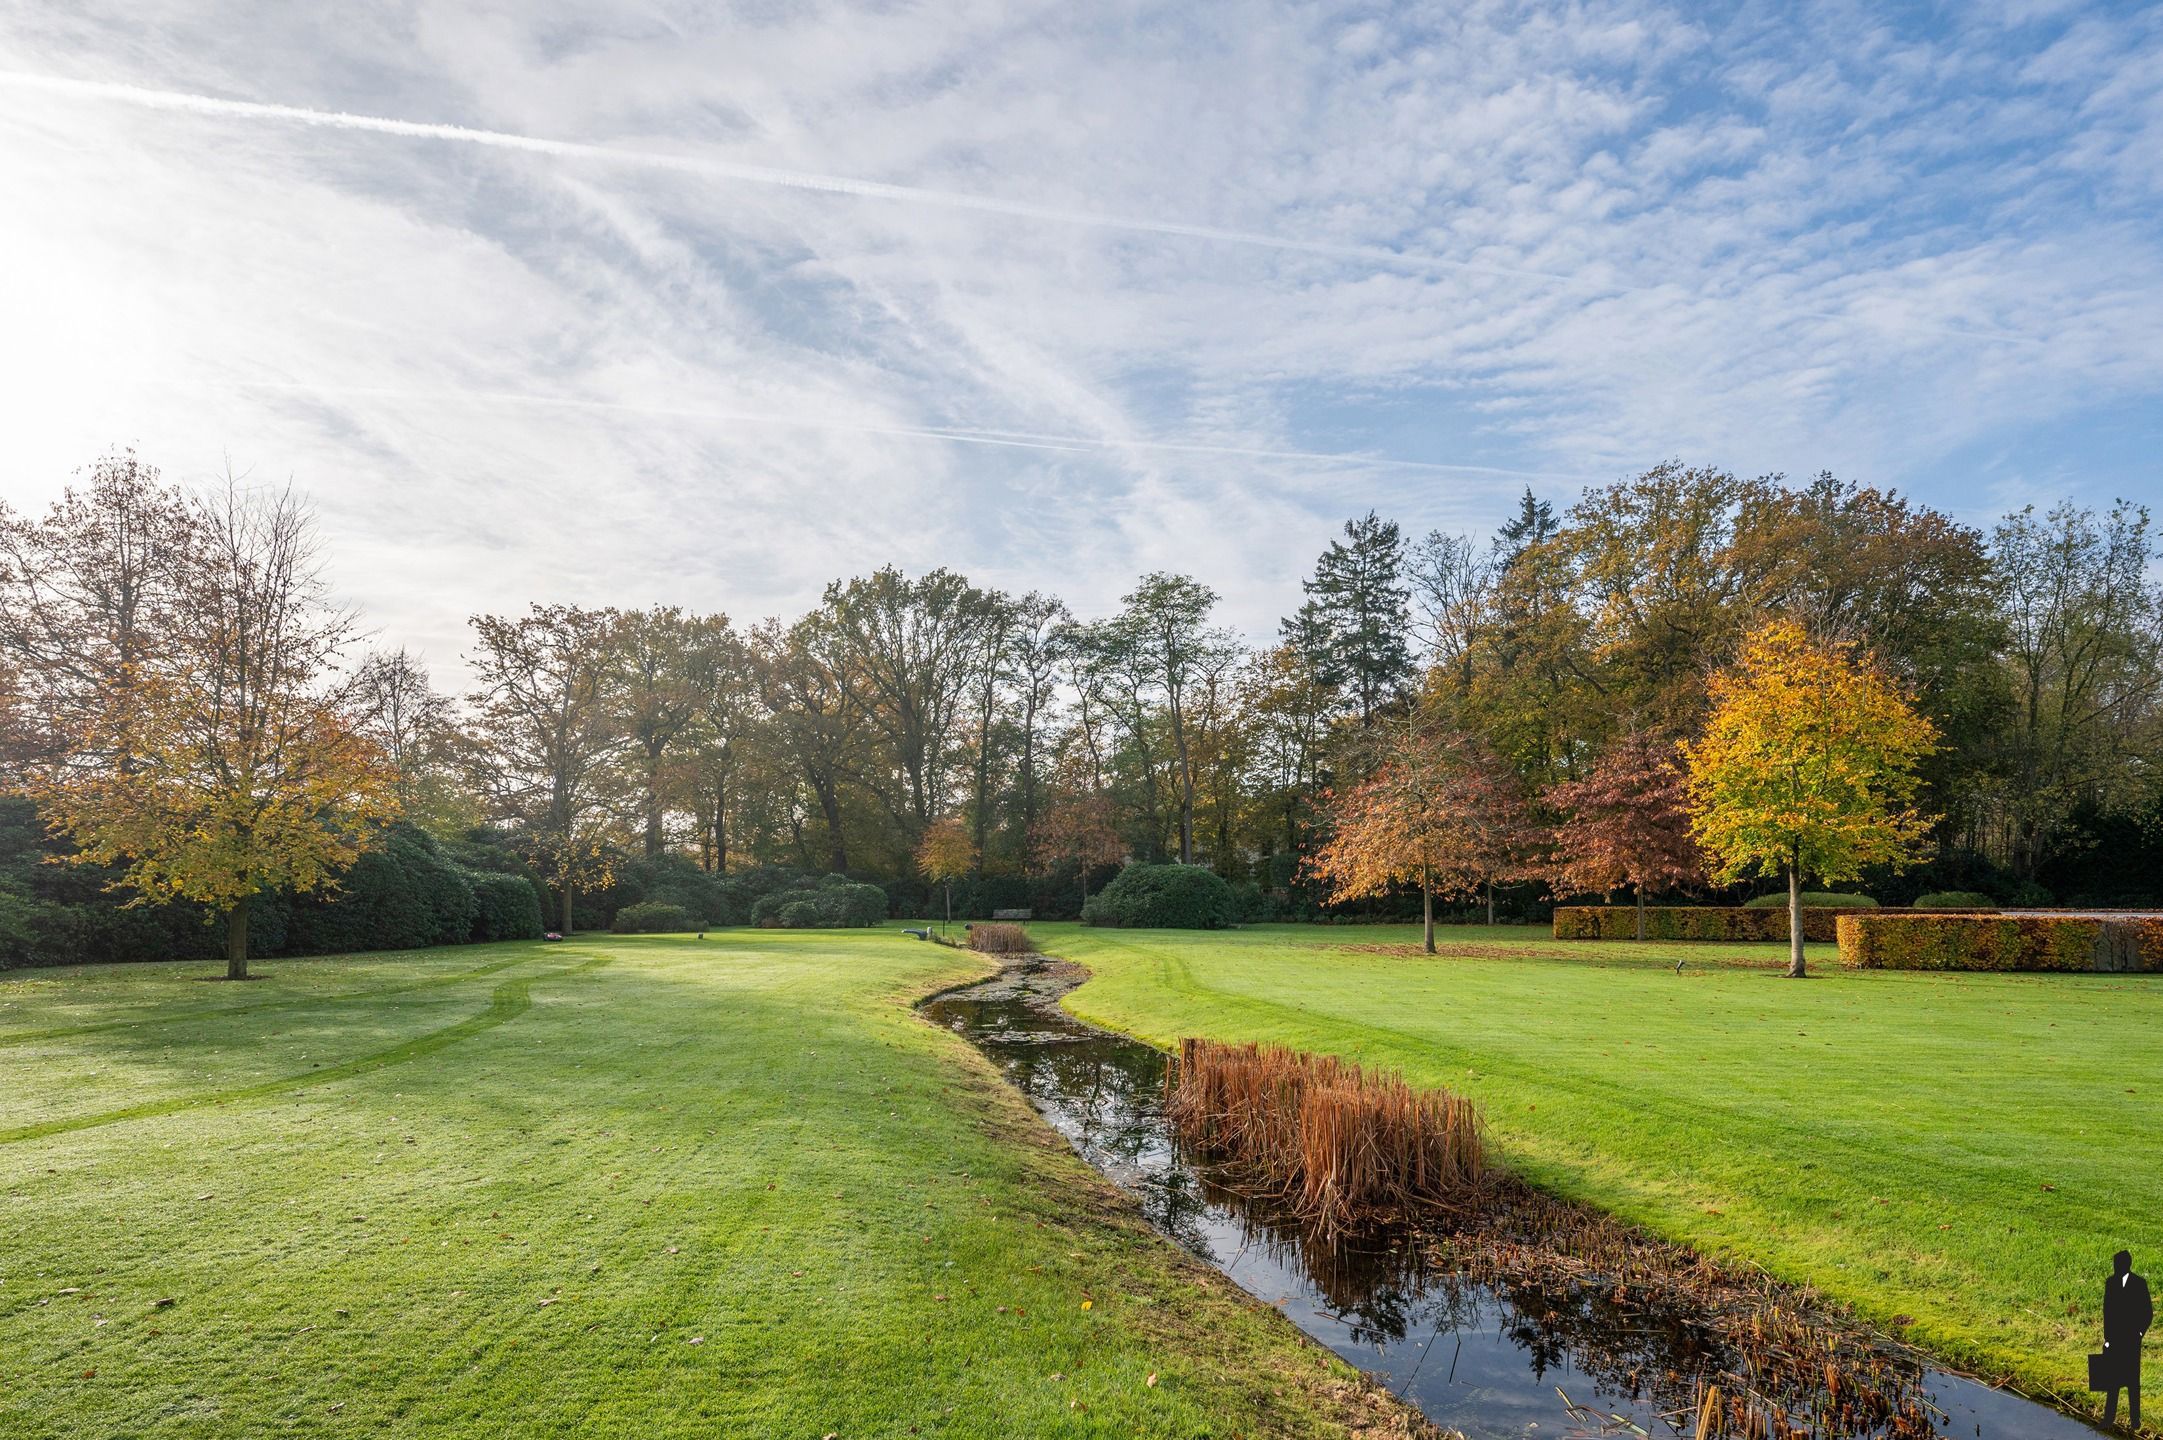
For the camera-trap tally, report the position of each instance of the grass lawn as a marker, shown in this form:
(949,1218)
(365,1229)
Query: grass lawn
(613,1187)
(1967,1150)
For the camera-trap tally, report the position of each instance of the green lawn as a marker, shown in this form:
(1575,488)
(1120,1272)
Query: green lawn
(613,1187)
(1967,1150)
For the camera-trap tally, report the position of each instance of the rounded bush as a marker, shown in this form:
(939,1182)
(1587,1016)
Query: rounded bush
(505,907)
(1812,900)
(654,917)
(1164,897)
(802,915)
(1954,900)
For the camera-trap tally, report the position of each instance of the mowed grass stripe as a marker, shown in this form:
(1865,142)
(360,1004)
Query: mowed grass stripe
(218,1012)
(505,1003)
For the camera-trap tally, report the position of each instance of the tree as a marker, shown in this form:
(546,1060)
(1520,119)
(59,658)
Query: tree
(1040,627)
(945,855)
(1806,767)
(1361,604)
(1627,823)
(416,728)
(88,596)
(1533,524)
(547,717)
(728,718)
(817,702)
(655,690)
(227,762)
(1080,829)
(1453,587)
(1164,627)
(2085,661)
(1439,812)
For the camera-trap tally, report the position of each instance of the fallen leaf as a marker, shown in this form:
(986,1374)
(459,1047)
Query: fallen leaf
(1088,1304)
(1151,1382)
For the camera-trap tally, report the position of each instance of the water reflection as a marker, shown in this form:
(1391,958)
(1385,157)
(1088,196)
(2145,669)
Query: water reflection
(1506,1359)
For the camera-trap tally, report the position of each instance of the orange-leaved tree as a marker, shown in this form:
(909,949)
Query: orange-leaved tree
(1807,767)
(1441,812)
(232,764)
(944,855)
(1081,829)
(1626,823)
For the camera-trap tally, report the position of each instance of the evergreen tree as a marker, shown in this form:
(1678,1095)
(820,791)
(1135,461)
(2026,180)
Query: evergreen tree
(1534,522)
(1359,596)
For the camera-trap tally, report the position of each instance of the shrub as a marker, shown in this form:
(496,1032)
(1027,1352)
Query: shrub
(402,894)
(654,917)
(1164,897)
(1000,937)
(1701,922)
(1999,942)
(801,915)
(505,907)
(1812,900)
(835,902)
(1954,900)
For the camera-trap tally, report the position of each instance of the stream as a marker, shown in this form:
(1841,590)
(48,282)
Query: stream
(1470,1357)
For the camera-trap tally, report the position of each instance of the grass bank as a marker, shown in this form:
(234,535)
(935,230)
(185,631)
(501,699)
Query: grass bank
(648,1187)
(1958,1156)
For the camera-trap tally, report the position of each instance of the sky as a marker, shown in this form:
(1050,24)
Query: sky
(709,304)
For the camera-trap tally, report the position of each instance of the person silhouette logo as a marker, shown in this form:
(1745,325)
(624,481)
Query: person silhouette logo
(2127,1314)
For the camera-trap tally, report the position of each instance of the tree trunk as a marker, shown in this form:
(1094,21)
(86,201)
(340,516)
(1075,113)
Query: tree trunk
(1640,912)
(949,904)
(1490,902)
(1426,905)
(1795,968)
(236,941)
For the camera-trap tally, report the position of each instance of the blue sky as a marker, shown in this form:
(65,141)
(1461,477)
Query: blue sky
(709,304)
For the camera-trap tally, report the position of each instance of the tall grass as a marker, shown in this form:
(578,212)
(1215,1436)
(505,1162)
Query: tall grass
(1341,1146)
(1000,938)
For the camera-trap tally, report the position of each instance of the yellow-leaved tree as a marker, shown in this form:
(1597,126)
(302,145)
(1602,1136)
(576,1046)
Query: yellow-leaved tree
(1806,767)
(944,855)
(231,765)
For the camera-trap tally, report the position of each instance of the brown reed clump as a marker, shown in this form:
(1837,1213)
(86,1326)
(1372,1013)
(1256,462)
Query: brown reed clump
(1001,938)
(1342,1147)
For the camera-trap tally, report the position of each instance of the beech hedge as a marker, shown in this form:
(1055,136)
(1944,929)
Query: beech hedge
(1698,922)
(2066,943)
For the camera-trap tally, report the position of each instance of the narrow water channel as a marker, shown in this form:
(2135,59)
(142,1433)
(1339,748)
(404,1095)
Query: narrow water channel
(1471,1357)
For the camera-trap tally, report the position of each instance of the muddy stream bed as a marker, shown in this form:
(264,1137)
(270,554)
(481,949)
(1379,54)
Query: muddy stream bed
(1487,1356)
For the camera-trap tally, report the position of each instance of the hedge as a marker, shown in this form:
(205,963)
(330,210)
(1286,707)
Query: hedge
(834,902)
(1165,897)
(1696,922)
(2000,942)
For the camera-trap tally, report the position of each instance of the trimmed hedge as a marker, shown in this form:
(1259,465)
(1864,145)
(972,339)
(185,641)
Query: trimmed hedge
(2065,943)
(1813,900)
(505,907)
(1697,922)
(1165,897)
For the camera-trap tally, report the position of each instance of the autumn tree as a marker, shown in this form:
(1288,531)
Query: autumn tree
(945,855)
(227,763)
(655,692)
(816,700)
(1081,829)
(728,720)
(547,717)
(1807,767)
(1627,823)
(89,593)
(1440,812)
(416,727)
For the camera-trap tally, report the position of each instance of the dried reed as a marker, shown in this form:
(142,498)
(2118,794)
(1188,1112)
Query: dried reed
(1001,938)
(1342,1147)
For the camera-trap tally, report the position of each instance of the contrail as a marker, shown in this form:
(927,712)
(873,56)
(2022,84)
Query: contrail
(1376,255)
(962,435)
(750,174)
